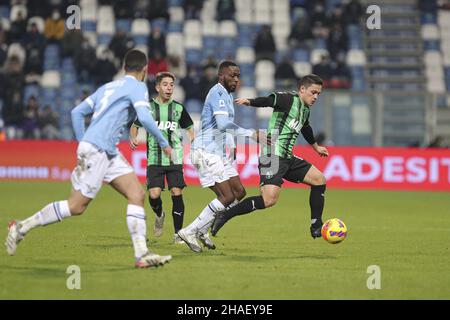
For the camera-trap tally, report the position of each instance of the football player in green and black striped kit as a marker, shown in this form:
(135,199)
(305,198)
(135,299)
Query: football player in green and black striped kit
(290,117)
(170,117)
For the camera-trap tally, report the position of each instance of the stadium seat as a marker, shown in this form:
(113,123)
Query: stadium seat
(179,94)
(431,45)
(175,44)
(5,24)
(245,55)
(88,10)
(356,58)
(264,83)
(105,12)
(5,12)
(15,9)
(88,26)
(106,27)
(30,90)
(192,27)
(176,14)
(302,68)
(433,58)
(436,85)
(264,68)
(193,105)
(228,28)
(39,21)
(430,32)
(244,17)
(434,71)
(51,79)
(193,41)
(316,55)
(263,17)
(140,30)
(17,49)
(210,28)
(446,58)
(123,24)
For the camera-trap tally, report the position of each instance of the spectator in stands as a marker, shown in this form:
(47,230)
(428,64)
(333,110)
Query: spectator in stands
(323,70)
(30,122)
(105,68)
(85,60)
(192,85)
(340,74)
(337,41)
(210,62)
(192,9)
(71,41)
(124,9)
(301,35)
(141,9)
(319,15)
(33,39)
(156,64)
(177,66)
(48,124)
(54,27)
(225,10)
(207,81)
(353,12)
(12,113)
(285,74)
(264,44)
(158,9)
(3,47)
(120,44)
(336,17)
(157,42)
(39,8)
(18,28)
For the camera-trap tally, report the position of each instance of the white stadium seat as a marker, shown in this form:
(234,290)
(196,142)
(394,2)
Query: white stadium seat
(92,38)
(244,17)
(176,14)
(316,55)
(15,12)
(433,58)
(140,27)
(436,85)
(18,50)
(106,27)
(5,24)
(264,68)
(246,92)
(193,41)
(245,55)
(434,71)
(430,32)
(302,68)
(39,21)
(210,28)
(355,57)
(265,83)
(175,44)
(51,79)
(228,28)
(105,12)
(192,27)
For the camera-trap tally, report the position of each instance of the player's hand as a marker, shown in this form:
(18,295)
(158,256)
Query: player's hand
(321,151)
(133,142)
(168,151)
(242,101)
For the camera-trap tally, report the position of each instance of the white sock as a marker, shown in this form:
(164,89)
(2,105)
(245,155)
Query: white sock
(138,229)
(51,213)
(206,217)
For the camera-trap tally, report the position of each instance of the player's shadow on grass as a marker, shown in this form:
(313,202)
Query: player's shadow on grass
(35,271)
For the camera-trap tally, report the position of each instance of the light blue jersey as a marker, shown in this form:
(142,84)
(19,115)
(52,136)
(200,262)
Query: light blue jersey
(114,106)
(216,120)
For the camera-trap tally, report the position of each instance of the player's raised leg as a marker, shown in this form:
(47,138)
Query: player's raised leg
(317,181)
(129,186)
(269,197)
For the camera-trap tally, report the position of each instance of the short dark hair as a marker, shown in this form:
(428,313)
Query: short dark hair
(226,64)
(164,74)
(134,60)
(309,80)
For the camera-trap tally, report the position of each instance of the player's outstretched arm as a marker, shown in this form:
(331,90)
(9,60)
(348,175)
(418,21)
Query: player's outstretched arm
(224,124)
(260,102)
(308,134)
(78,114)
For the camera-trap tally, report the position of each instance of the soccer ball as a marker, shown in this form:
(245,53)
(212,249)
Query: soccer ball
(334,230)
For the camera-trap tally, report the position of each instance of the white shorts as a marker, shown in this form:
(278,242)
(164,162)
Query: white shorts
(94,167)
(212,168)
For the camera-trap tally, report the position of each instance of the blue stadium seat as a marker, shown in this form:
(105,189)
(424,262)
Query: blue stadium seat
(432,45)
(51,57)
(245,35)
(4,12)
(330,4)
(176,3)
(193,56)
(30,90)
(300,55)
(140,39)
(175,27)
(104,39)
(123,24)
(88,26)
(159,23)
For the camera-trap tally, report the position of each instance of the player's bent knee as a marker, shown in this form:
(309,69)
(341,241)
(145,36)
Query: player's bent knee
(175,192)
(136,197)
(269,202)
(77,209)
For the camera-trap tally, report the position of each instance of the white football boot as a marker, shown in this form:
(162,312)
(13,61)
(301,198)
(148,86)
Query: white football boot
(14,237)
(190,239)
(206,240)
(151,260)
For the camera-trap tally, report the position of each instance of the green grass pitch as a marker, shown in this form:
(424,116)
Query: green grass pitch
(265,255)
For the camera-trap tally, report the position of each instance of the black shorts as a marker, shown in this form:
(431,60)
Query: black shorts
(156,176)
(294,170)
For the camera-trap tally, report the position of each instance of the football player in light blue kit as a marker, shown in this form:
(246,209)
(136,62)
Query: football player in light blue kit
(208,155)
(113,107)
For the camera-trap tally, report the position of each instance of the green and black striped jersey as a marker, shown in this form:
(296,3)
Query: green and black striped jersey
(169,117)
(289,115)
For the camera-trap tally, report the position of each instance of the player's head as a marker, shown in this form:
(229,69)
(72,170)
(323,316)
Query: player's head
(229,74)
(309,88)
(135,62)
(165,81)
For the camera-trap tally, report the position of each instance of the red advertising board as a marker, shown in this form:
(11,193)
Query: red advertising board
(347,167)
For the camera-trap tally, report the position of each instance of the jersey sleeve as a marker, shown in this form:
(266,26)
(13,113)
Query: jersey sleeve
(216,99)
(282,101)
(139,96)
(185,120)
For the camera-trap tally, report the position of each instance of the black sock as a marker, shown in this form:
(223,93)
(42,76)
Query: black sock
(156,205)
(247,205)
(177,212)
(316,202)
